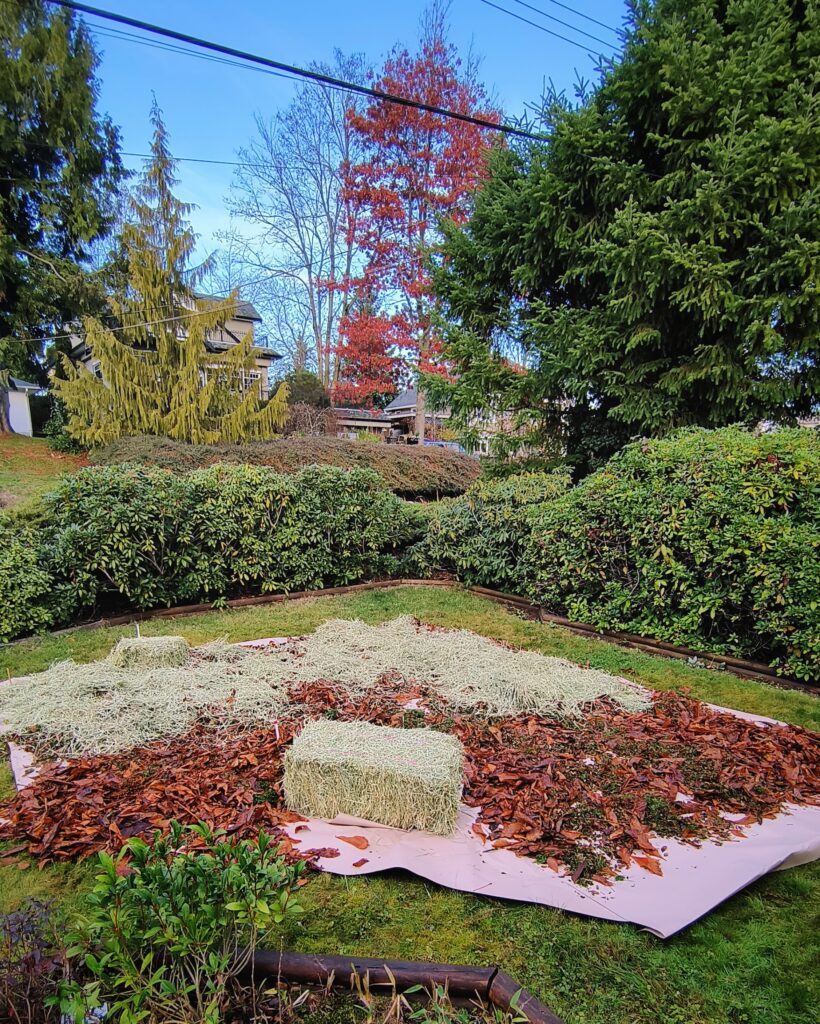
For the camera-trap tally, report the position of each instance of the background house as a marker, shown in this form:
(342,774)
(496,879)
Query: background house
(19,393)
(220,339)
(401,413)
(350,422)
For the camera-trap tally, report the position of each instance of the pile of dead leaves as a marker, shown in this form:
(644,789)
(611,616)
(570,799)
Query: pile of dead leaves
(586,795)
(229,778)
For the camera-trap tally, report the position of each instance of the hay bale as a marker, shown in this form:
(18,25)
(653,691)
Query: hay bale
(150,652)
(407,778)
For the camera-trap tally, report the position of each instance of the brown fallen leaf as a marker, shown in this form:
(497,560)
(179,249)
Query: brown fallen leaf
(358,841)
(649,864)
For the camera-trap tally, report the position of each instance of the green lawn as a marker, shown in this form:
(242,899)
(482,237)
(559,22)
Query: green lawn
(28,467)
(752,961)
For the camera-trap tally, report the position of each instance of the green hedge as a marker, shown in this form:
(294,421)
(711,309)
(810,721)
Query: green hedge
(709,539)
(481,536)
(410,471)
(141,537)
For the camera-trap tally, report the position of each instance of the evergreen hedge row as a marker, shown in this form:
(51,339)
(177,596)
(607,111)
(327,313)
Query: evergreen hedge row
(134,536)
(708,539)
(410,471)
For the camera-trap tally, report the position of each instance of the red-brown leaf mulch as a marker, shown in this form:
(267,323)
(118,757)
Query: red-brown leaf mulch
(585,795)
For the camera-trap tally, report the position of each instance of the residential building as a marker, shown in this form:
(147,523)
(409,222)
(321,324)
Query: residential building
(220,339)
(19,392)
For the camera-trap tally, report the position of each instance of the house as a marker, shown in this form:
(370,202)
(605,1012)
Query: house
(401,413)
(350,422)
(220,339)
(19,392)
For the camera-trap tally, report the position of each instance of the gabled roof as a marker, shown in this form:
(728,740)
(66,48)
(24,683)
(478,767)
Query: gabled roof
(406,400)
(244,310)
(24,385)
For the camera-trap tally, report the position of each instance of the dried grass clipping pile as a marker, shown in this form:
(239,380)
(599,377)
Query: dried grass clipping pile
(406,778)
(150,652)
(121,702)
(99,708)
(470,671)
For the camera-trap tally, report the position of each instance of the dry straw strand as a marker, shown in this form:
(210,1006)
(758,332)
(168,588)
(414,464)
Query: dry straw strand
(406,778)
(101,707)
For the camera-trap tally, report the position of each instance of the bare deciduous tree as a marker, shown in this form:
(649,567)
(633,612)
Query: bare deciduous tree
(288,198)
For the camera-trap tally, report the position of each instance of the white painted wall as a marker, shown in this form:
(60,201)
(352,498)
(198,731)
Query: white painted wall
(20,413)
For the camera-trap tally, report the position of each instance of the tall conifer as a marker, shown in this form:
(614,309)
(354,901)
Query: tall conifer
(156,373)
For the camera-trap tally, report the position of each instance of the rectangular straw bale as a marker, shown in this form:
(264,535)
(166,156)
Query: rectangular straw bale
(150,652)
(407,778)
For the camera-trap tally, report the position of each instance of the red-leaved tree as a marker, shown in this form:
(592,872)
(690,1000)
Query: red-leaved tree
(418,168)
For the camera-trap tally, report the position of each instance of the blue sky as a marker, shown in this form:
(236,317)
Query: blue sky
(209,107)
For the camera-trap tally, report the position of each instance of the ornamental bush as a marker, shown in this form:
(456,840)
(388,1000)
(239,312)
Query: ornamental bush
(412,471)
(25,583)
(171,925)
(708,539)
(134,536)
(481,535)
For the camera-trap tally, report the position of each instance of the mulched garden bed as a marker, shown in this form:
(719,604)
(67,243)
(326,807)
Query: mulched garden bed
(585,795)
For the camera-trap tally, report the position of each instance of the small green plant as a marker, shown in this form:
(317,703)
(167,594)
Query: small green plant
(54,430)
(172,924)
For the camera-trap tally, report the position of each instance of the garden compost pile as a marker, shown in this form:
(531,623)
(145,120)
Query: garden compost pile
(113,705)
(584,795)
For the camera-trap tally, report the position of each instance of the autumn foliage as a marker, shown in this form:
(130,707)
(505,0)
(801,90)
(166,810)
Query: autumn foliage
(418,168)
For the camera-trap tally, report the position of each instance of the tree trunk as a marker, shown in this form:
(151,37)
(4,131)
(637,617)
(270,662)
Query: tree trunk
(420,415)
(5,421)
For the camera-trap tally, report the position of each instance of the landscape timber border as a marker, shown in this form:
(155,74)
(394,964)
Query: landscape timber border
(462,983)
(737,666)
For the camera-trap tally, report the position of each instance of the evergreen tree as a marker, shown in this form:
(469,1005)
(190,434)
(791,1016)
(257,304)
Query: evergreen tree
(59,174)
(156,373)
(655,264)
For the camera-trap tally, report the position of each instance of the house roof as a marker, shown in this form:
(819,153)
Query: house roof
(406,400)
(24,385)
(244,310)
(359,414)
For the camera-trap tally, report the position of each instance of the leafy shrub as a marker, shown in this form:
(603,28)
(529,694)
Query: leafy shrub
(248,527)
(117,532)
(707,538)
(54,430)
(25,583)
(171,924)
(414,471)
(480,536)
(145,537)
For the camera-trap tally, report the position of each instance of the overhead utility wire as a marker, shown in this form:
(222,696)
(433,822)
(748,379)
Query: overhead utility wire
(581,14)
(566,24)
(104,32)
(311,75)
(527,21)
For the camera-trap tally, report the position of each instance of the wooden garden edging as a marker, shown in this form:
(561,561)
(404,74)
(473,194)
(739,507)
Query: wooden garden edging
(488,984)
(737,666)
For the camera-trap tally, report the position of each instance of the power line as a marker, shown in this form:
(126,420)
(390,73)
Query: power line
(120,35)
(566,24)
(132,327)
(311,75)
(527,21)
(581,14)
